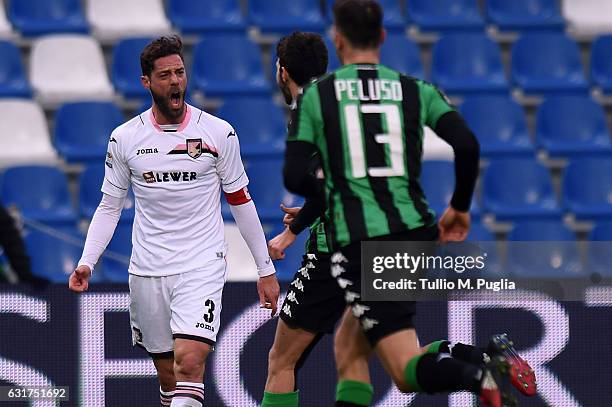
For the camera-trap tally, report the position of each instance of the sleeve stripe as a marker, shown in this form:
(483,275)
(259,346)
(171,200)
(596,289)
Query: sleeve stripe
(236,180)
(125,189)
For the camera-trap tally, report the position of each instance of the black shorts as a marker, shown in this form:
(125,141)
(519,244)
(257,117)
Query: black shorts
(378,318)
(314,302)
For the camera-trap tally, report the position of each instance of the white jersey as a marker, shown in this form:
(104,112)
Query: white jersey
(176,176)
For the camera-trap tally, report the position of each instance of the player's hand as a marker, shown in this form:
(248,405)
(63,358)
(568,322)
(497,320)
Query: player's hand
(277,246)
(79,279)
(454,225)
(290,214)
(268,290)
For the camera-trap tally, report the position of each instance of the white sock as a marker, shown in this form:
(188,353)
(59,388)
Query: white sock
(165,397)
(188,394)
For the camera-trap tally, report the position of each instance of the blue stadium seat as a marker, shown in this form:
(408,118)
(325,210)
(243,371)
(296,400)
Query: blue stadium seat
(282,17)
(333,61)
(82,130)
(569,126)
(441,15)
(266,188)
(38,17)
(519,15)
(555,255)
(401,54)
(210,16)
(547,63)
(90,195)
(479,233)
(465,63)
(601,63)
(599,256)
(125,70)
(500,125)
(394,19)
(518,188)
(13,80)
(237,67)
(287,267)
(438,181)
(115,260)
(55,254)
(258,136)
(587,188)
(39,192)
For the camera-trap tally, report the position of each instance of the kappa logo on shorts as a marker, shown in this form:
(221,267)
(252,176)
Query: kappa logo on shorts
(287,310)
(336,270)
(343,282)
(359,310)
(311,256)
(297,283)
(368,323)
(338,258)
(351,296)
(304,272)
(291,297)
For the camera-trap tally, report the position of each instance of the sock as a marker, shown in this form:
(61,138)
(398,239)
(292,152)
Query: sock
(188,394)
(441,373)
(165,397)
(466,353)
(280,399)
(351,393)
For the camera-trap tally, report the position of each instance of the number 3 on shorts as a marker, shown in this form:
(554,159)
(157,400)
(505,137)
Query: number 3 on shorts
(210,308)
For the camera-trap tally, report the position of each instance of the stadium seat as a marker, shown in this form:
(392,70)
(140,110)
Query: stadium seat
(111,20)
(55,252)
(126,70)
(116,258)
(237,69)
(266,188)
(467,63)
(82,130)
(500,125)
(547,63)
(555,255)
(601,63)
(24,135)
(587,188)
(518,188)
(67,68)
(282,17)
(39,192)
(479,233)
(588,17)
(6,31)
(441,15)
(192,17)
(401,54)
(438,182)
(394,19)
(569,126)
(257,137)
(599,256)
(90,194)
(520,15)
(13,81)
(38,17)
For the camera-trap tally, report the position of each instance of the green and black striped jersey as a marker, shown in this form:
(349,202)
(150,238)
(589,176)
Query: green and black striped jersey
(367,123)
(317,241)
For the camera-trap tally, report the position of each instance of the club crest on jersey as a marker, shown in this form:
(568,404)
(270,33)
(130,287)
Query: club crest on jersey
(194,147)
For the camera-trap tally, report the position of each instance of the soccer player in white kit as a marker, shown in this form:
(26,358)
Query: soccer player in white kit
(177,159)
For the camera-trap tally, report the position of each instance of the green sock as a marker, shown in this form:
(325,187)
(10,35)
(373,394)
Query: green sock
(434,347)
(355,392)
(410,374)
(280,399)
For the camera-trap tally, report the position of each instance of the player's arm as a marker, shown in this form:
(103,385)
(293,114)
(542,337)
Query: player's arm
(102,226)
(234,183)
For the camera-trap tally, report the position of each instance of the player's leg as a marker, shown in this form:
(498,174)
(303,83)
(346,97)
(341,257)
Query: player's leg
(195,312)
(352,351)
(150,322)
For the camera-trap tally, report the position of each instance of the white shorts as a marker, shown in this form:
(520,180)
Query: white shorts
(186,305)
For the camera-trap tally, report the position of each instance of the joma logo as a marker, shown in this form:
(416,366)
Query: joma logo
(142,151)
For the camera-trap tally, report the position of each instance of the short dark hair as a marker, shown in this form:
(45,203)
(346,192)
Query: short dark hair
(360,21)
(303,55)
(159,48)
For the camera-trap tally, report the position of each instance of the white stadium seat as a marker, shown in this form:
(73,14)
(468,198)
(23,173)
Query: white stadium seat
(24,135)
(111,20)
(588,17)
(5,27)
(68,67)
(434,148)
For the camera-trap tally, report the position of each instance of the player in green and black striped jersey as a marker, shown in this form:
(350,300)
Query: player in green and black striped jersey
(365,120)
(314,302)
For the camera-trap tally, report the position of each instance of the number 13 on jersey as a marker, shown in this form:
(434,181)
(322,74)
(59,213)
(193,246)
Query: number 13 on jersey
(393,137)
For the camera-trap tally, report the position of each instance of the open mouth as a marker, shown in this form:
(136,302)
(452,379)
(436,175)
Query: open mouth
(175,99)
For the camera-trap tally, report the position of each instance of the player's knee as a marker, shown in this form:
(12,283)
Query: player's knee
(190,364)
(279,361)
